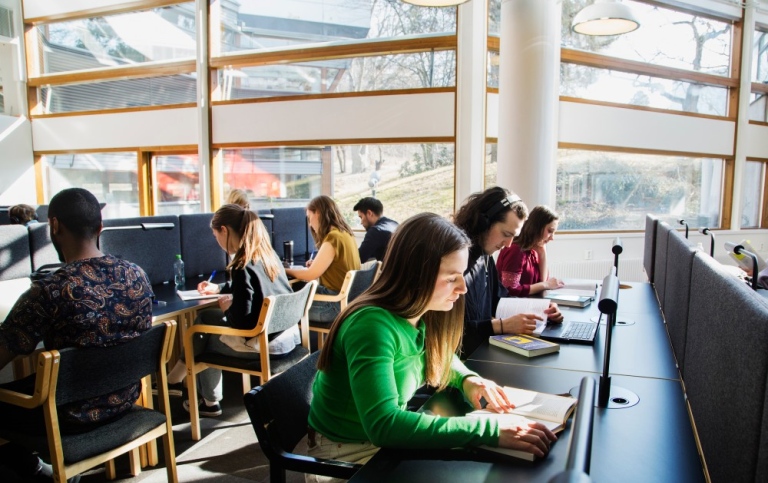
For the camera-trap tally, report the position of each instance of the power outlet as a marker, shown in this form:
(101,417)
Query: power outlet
(587,254)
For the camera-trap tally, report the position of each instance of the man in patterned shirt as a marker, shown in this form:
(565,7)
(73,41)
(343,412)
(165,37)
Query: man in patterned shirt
(93,300)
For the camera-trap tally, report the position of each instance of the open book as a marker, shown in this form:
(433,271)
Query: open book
(530,406)
(509,306)
(195,295)
(745,261)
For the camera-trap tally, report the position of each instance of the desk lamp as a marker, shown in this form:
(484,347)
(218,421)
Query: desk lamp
(740,250)
(707,231)
(682,222)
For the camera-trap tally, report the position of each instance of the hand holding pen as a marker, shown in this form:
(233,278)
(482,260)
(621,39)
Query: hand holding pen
(309,262)
(208,287)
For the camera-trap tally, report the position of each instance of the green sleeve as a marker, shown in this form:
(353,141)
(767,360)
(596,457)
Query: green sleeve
(459,372)
(373,356)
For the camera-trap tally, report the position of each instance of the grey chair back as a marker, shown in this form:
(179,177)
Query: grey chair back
(15,260)
(289,308)
(363,280)
(40,246)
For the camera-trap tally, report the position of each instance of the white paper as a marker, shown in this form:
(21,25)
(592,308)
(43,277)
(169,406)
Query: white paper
(509,306)
(194,295)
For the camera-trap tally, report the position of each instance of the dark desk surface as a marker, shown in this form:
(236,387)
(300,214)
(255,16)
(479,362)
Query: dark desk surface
(651,441)
(174,305)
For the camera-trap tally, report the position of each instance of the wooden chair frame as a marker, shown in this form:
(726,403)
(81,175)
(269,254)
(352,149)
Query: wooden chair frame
(48,364)
(261,330)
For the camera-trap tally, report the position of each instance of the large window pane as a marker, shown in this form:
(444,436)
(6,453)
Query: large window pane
(758,107)
(407,178)
(154,35)
(491,156)
(613,191)
(177,186)
(111,177)
(402,71)
(494,17)
(641,90)
(752,194)
(151,91)
(667,38)
(287,176)
(492,76)
(270,24)
(760,57)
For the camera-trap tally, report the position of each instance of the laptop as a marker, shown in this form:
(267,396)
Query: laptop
(578,332)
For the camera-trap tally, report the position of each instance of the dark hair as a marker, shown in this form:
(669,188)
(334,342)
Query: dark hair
(254,239)
(369,203)
(78,210)
(540,217)
(21,214)
(330,217)
(481,210)
(405,286)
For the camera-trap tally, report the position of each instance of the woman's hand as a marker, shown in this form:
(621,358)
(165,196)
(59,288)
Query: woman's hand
(534,438)
(476,387)
(553,313)
(553,283)
(308,263)
(520,324)
(225,302)
(208,288)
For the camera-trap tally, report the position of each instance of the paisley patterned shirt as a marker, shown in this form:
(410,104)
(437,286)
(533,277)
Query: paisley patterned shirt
(88,303)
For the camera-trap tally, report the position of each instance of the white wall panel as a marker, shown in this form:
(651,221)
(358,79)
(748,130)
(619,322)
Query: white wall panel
(757,141)
(492,123)
(629,128)
(162,127)
(17,182)
(394,116)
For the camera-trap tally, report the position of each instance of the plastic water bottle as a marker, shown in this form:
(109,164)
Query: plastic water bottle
(178,272)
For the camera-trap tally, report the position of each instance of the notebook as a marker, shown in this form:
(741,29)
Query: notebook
(575,332)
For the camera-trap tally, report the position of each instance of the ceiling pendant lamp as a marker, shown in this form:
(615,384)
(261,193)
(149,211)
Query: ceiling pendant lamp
(605,17)
(435,3)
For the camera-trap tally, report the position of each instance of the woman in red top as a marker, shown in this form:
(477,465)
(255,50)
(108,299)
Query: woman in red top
(522,266)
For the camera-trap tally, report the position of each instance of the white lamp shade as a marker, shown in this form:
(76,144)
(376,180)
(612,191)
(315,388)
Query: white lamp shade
(435,3)
(605,18)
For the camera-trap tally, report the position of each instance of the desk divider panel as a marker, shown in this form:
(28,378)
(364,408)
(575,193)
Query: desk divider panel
(153,250)
(15,260)
(267,224)
(40,246)
(199,249)
(726,364)
(677,292)
(291,224)
(649,249)
(660,260)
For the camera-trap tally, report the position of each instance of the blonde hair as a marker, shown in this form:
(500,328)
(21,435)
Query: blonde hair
(254,240)
(239,197)
(330,217)
(410,270)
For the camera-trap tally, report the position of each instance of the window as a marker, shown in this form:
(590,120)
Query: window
(758,107)
(760,57)
(177,183)
(160,34)
(601,190)
(253,25)
(492,76)
(111,177)
(375,73)
(491,156)
(752,191)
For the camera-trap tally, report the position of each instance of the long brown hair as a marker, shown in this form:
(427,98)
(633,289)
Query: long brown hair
(540,217)
(473,218)
(254,240)
(405,287)
(330,217)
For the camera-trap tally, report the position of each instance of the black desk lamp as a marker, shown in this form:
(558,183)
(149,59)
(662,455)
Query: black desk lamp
(740,250)
(617,248)
(707,231)
(682,222)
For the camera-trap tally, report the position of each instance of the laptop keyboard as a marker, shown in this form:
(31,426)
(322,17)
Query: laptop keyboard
(579,330)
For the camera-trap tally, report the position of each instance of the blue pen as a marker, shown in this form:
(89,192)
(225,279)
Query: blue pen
(213,274)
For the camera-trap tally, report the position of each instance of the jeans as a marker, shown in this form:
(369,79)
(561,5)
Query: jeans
(324,311)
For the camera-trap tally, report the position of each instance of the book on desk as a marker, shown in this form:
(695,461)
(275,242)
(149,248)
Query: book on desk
(524,344)
(530,406)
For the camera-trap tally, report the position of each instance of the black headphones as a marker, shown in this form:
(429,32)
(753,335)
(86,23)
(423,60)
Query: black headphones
(502,204)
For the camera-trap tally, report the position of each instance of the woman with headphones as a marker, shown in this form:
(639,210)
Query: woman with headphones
(22,214)
(491,219)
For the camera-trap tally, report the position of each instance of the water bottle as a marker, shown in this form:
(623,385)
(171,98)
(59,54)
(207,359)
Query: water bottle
(178,272)
(288,253)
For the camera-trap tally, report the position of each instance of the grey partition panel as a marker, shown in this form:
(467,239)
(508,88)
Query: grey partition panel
(40,246)
(199,249)
(5,216)
(267,218)
(677,291)
(291,224)
(42,212)
(726,363)
(153,250)
(15,261)
(649,249)
(660,261)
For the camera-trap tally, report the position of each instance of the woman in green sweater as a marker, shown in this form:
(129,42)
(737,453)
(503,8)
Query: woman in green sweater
(400,334)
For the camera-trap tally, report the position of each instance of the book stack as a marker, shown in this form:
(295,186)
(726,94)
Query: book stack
(525,345)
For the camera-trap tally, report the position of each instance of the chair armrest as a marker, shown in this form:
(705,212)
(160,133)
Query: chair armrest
(45,365)
(220,330)
(329,298)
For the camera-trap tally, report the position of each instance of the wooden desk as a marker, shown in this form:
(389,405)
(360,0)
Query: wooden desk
(651,441)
